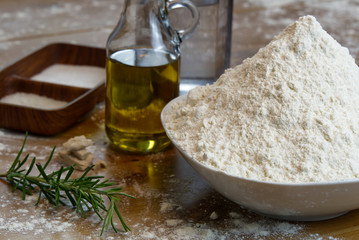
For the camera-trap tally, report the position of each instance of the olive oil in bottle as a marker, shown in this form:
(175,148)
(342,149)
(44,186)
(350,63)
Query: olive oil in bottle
(140,82)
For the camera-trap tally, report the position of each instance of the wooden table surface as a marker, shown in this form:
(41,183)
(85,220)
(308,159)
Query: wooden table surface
(172,201)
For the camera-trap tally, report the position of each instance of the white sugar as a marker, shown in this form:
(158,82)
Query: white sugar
(72,75)
(32,100)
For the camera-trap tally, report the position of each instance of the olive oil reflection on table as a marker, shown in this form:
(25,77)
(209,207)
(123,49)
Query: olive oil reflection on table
(140,82)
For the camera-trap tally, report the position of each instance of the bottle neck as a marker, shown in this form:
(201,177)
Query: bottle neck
(144,24)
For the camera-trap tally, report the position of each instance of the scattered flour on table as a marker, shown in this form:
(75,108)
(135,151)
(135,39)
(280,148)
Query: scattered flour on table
(32,100)
(2,147)
(23,221)
(72,75)
(37,225)
(288,114)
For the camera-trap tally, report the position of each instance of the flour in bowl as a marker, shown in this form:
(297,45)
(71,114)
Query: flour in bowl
(288,114)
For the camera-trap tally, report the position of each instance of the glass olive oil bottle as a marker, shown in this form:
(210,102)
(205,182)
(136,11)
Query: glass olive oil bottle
(142,73)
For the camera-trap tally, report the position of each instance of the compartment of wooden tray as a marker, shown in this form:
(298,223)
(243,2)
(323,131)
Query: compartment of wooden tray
(15,78)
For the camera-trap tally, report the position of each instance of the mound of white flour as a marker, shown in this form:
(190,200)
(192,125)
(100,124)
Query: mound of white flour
(288,114)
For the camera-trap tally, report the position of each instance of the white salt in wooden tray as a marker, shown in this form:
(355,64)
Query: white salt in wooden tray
(51,89)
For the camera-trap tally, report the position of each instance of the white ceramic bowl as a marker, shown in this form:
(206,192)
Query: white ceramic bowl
(289,201)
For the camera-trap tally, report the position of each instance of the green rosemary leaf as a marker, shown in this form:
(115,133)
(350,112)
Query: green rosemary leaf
(38,199)
(30,167)
(17,159)
(79,208)
(86,172)
(72,200)
(108,217)
(85,196)
(93,177)
(15,186)
(121,219)
(112,206)
(114,190)
(50,157)
(94,183)
(42,172)
(100,202)
(69,173)
(21,163)
(126,195)
(104,185)
(49,196)
(57,197)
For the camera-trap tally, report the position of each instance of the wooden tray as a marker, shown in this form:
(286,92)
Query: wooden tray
(15,78)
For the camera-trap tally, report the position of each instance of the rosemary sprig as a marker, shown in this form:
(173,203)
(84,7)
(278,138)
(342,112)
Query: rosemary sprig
(85,193)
